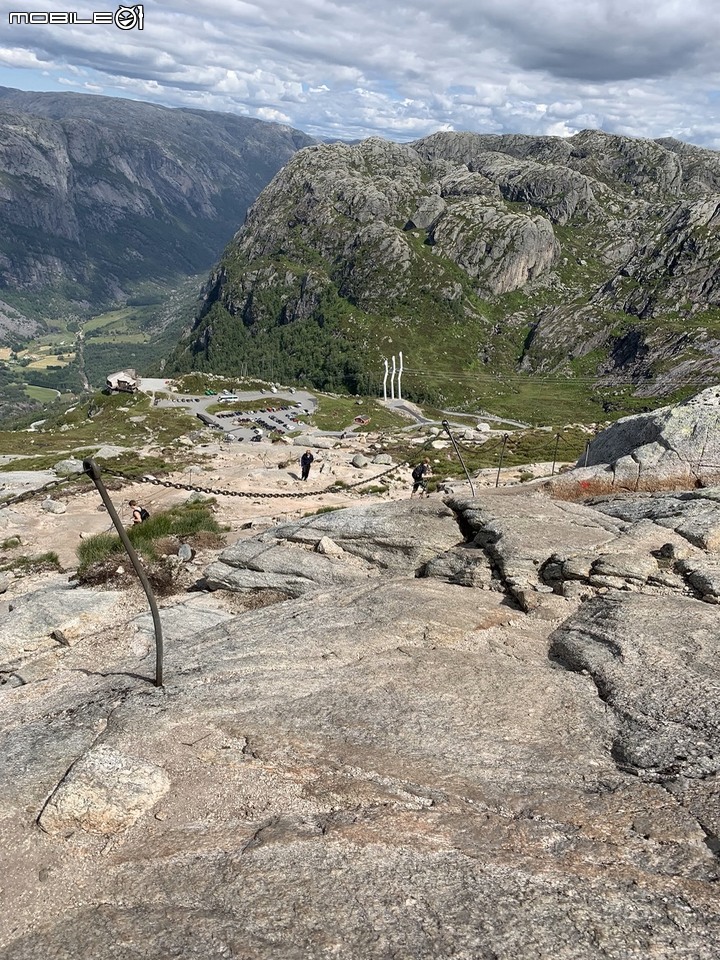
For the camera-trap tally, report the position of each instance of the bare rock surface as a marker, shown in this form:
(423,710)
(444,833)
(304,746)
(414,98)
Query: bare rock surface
(694,515)
(520,533)
(104,792)
(394,536)
(662,683)
(673,446)
(47,617)
(407,759)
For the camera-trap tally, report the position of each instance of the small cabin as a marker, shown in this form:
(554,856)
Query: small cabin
(125,381)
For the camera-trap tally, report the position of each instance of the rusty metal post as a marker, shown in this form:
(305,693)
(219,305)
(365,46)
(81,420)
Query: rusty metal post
(557,441)
(502,455)
(93,471)
(446,427)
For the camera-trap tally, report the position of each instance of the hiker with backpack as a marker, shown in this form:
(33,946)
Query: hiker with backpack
(139,514)
(420,472)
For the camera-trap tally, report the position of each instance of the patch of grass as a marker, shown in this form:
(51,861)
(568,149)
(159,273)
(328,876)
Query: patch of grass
(11,543)
(42,394)
(522,447)
(338,413)
(183,522)
(320,510)
(40,563)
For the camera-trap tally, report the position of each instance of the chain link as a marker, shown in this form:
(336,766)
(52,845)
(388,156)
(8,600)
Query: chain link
(212,491)
(29,494)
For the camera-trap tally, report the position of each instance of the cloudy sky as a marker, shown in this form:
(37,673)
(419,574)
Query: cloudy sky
(336,68)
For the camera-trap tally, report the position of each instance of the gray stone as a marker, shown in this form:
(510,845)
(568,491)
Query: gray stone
(198,497)
(703,575)
(384,459)
(53,506)
(310,441)
(398,536)
(68,467)
(394,740)
(520,533)
(465,565)
(270,564)
(427,212)
(359,460)
(626,566)
(180,623)
(695,515)
(185,552)
(329,548)
(655,663)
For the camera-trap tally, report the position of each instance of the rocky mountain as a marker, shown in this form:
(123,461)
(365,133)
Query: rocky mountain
(594,256)
(98,195)
(459,727)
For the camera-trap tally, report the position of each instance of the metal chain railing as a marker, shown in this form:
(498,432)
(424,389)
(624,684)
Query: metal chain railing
(129,478)
(37,491)
(252,494)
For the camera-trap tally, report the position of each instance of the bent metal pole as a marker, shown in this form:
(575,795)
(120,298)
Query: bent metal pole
(446,427)
(93,471)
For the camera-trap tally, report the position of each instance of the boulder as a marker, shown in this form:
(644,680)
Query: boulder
(677,445)
(359,461)
(53,506)
(329,548)
(66,468)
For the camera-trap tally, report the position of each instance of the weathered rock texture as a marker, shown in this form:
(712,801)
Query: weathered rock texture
(417,762)
(677,446)
(608,244)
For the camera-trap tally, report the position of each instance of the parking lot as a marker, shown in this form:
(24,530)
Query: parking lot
(276,412)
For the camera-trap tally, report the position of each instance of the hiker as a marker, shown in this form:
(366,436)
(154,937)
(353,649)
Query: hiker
(139,514)
(305,462)
(419,473)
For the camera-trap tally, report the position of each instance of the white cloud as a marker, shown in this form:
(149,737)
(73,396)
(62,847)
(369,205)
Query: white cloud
(351,68)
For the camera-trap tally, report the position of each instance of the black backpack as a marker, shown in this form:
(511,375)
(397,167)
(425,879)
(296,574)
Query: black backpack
(418,473)
(144,514)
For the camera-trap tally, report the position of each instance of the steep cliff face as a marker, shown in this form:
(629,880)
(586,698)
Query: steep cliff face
(593,255)
(98,193)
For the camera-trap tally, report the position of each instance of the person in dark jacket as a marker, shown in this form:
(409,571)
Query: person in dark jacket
(419,473)
(305,463)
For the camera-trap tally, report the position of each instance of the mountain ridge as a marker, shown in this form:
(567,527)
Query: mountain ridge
(592,256)
(99,194)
